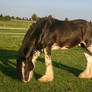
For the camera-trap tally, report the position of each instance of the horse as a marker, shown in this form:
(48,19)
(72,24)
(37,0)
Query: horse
(48,34)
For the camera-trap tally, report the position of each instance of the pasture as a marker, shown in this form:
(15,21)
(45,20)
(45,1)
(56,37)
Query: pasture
(67,65)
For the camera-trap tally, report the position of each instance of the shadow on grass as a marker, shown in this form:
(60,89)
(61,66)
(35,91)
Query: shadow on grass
(9,67)
(74,71)
(37,76)
(6,66)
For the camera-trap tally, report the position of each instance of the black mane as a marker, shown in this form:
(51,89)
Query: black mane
(34,35)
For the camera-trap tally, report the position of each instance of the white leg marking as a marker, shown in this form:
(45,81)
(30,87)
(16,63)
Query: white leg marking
(35,56)
(49,70)
(88,71)
(30,75)
(23,65)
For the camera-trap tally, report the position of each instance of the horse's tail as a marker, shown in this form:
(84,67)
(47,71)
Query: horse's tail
(33,38)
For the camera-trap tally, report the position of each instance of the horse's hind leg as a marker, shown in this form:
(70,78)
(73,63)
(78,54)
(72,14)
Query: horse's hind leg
(88,71)
(49,70)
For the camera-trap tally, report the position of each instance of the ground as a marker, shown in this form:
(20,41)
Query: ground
(67,66)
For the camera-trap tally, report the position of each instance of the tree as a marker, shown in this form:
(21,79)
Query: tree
(1,15)
(30,19)
(66,19)
(7,18)
(50,16)
(12,17)
(90,22)
(34,17)
(18,18)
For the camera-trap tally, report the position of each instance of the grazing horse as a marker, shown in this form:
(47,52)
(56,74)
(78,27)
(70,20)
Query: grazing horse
(48,34)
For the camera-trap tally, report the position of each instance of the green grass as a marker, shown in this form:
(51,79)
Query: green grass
(12,31)
(15,24)
(67,66)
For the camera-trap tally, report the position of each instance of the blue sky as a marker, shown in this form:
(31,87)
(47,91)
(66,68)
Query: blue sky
(73,9)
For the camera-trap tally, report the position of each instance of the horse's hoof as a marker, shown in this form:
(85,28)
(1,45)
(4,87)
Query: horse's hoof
(85,75)
(46,78)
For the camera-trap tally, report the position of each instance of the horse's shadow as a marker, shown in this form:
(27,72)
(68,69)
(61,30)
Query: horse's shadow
(72,70)
(6,66)
(9,68)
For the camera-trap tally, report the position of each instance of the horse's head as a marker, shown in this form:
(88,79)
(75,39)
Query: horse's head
(24,69)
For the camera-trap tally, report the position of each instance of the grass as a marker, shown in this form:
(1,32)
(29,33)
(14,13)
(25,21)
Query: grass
(15,24)
(12,31)
(67,65)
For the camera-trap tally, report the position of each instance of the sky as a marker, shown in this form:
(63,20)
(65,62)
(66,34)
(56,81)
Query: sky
(60,9)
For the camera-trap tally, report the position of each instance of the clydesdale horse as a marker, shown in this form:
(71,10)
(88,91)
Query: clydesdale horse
(48,34)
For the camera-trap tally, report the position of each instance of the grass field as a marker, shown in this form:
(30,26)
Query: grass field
(15,24)
(67,65)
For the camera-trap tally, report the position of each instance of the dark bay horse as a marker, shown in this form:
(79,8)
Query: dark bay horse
(48,34)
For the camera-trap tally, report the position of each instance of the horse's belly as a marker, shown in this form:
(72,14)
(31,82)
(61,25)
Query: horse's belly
(56,47)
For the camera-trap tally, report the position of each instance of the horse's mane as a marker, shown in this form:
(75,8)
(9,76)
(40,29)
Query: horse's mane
(34,36)
(38,25)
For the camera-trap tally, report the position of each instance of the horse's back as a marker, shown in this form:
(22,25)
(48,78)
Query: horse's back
(67,33)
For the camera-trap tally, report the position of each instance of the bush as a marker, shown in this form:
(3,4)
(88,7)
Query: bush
(5,18)
(34,17)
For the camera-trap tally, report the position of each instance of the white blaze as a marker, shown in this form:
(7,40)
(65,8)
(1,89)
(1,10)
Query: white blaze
(23,65)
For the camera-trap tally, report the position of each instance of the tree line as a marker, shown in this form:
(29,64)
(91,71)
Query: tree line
(34,17)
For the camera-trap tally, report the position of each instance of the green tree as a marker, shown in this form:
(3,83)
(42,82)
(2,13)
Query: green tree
(12,17)
(34,17)
(66,19)
(7,18)
(50,16)
(1,15)
(30,19)
(18,18)
(90,22)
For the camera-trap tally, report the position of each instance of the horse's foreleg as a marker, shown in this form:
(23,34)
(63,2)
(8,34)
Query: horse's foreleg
(35,56)
(49,70)
(88,71)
